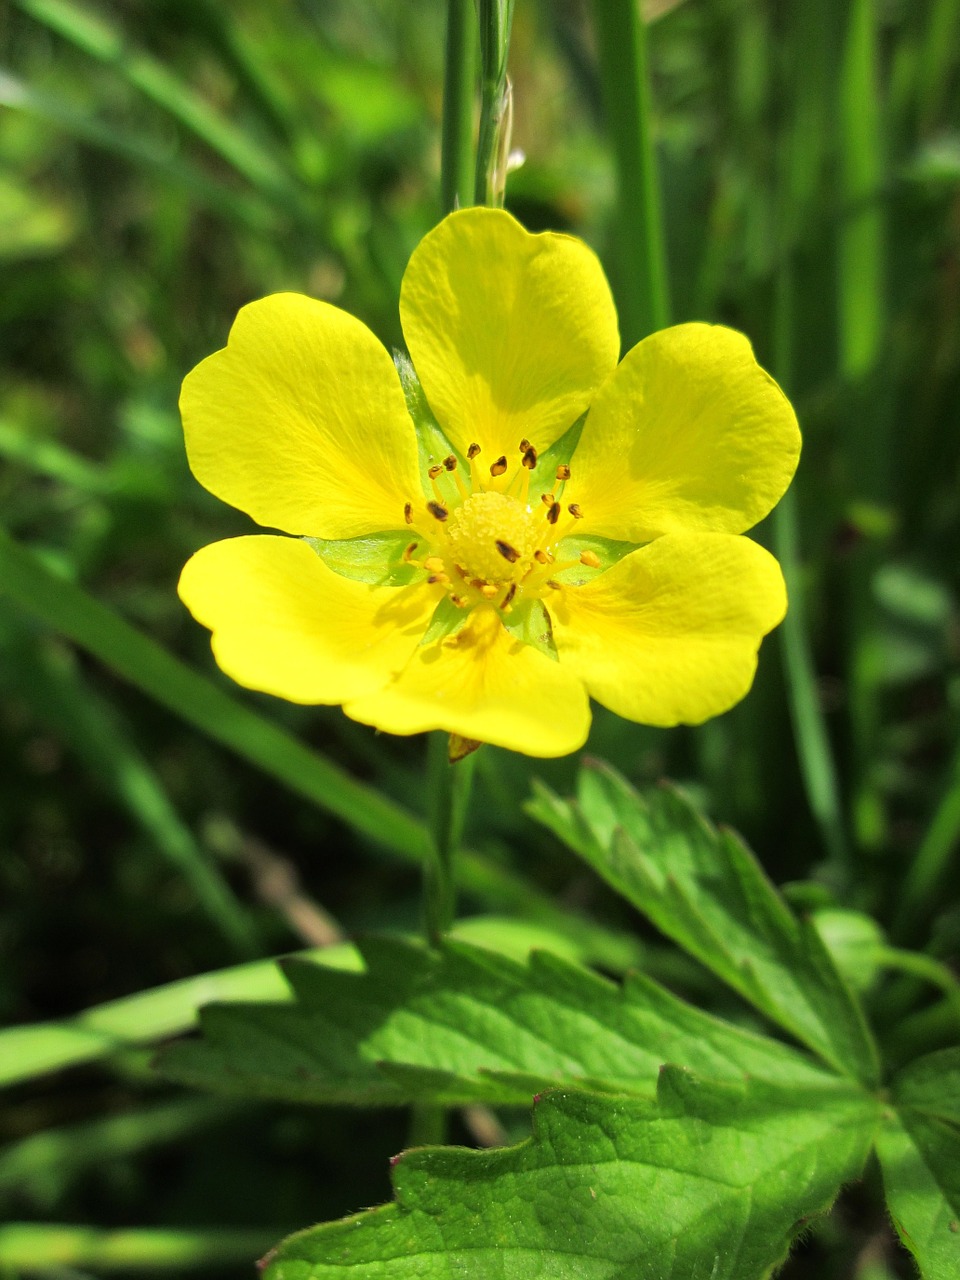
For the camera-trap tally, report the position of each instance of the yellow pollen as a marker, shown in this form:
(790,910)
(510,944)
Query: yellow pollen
(492,538)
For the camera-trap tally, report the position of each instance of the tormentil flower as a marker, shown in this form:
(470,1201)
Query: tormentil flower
(484,576)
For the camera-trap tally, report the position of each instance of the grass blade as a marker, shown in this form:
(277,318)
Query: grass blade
(622,44)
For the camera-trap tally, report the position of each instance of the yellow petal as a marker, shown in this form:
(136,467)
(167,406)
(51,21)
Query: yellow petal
(485,685)
(669,635)
(285,624)
(301,422)
(689,434)
(510,333)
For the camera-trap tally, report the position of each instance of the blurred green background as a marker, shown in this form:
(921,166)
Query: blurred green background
(164,162)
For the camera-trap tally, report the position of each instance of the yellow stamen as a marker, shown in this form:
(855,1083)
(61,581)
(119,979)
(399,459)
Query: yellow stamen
(590,559)
(433,564)
(489,590)
(563,472)
(439,578)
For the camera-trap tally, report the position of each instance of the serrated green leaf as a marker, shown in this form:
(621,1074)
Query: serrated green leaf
(373,557)
(705,890)
(467,1025)
(709,1180)
(530,623)
(920,1161)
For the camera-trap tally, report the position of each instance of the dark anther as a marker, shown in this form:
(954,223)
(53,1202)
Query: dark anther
(509,596)
(408,512)
(548,499)
(472,451)
(508,552)
(575,511)
(553,515)
(563,472)
(450,463)
(499,467)
(438,510)
(525,445)
(433,472)
(530,458)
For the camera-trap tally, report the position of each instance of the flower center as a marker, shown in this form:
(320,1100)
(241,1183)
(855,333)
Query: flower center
(491,537)
(490,542)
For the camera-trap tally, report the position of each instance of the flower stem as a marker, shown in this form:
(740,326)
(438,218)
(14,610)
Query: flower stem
(493,143)
(622,48)
(449,797)
(459,80)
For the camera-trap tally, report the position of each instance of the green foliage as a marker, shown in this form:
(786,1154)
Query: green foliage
(657,1128)
(705,890)
(164,163)
(691,1184)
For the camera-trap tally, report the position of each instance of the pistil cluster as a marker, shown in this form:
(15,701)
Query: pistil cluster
(484,539)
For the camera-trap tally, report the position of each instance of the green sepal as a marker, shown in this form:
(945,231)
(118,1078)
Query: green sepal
(607,550)
(374,557)
(530,622)
(560,452)
(432,445)
(447,620)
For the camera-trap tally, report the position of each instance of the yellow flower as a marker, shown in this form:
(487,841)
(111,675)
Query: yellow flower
(478,576)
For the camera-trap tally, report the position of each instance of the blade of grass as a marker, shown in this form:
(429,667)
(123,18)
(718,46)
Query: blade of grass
(459,76)
(802,165)
(919,892)
(622,47)
(141,1019)
(246,209)
(46,457)
(71,611)
(109,45)
(39,1246)
(40,1165)
(860,250)
(938,60)
(861,321)
(53,685)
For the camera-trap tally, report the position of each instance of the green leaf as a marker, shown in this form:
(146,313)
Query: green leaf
(932,1084)
(373,557)
(705,890)
(710,1180)
(530,623)
(919,1151)
(920,1162)
(466,1025)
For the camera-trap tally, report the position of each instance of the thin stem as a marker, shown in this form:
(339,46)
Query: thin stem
(493,143)
(622,46)
(459,80)
(449,797)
